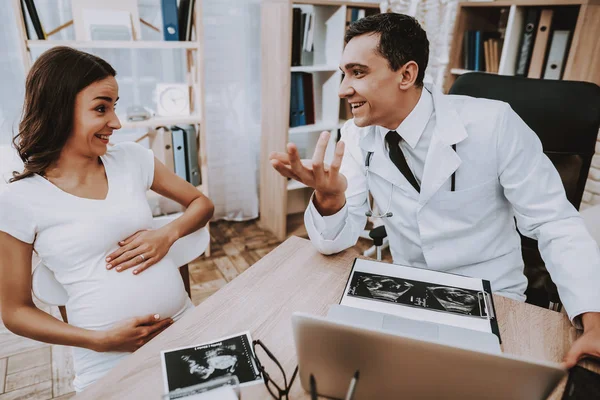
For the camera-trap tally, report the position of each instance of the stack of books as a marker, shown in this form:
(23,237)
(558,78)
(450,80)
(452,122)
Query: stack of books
(481,51)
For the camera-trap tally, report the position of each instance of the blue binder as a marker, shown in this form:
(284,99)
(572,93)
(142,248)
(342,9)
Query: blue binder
(169,16)
(301,104)
(294,101)
(477,54)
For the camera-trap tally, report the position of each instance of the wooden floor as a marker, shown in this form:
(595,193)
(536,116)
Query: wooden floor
(33,370)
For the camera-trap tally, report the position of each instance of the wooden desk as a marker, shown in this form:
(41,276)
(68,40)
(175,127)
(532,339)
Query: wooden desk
(295,277)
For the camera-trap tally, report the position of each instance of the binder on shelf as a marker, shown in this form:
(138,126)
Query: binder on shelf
(309,98)
(179,152)
(466,49)
(35,20)
(527,40)
(477,52)
(471,50)
(162,147)
(540,45)
(185,18)
(301,104)
(557,54)
(487,54)
(24,13)
(308,22)
(191,155)
(296,36)
(169,17)
(496,55)
(293,101)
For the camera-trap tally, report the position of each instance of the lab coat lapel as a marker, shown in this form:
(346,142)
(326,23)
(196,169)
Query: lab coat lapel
(380,163)
(441,161)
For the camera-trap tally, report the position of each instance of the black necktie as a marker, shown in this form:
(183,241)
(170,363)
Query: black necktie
(393,140)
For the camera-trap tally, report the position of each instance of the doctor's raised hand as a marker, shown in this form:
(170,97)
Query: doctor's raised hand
(327,181)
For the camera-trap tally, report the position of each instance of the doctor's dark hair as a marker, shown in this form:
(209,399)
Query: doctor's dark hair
(401,40)
(52,85)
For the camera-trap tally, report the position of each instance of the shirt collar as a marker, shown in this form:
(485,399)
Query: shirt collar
(413,126)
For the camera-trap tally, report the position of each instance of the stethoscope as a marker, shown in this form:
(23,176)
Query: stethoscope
(388,213)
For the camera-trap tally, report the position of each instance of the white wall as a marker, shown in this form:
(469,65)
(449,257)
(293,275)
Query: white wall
(12,76)
(591,196)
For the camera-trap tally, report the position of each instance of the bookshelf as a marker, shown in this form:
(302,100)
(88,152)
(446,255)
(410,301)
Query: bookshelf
(281,198)
(194,74)
(581,18)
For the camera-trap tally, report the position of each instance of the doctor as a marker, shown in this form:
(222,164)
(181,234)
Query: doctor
(448,175)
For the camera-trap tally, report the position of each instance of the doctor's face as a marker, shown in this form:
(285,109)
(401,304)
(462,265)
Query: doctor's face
(369,84)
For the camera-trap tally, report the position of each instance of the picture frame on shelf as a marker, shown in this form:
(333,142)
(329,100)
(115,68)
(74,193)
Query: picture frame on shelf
(106,20)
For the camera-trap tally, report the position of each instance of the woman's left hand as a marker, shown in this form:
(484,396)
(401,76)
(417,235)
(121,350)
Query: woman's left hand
(141,250)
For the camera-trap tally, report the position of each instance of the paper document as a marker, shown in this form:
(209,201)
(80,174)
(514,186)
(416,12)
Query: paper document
(421,294)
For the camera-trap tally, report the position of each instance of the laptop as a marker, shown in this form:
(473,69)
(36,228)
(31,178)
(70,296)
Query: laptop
(394,364)
(469,339)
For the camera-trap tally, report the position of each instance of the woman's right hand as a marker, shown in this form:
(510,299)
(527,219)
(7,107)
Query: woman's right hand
(329,184)
(130,335)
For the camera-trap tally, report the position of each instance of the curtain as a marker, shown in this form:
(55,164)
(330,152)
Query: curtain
(437,19)
(232,105)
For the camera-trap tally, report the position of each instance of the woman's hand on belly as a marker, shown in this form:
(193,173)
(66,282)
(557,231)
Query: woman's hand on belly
(132,334)
(142,249)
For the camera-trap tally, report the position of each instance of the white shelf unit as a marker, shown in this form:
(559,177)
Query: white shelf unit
(278,196)
(294,185)
(315,68)
(583,55)
(462,71)
(160,121)
(194,75)
(112,44)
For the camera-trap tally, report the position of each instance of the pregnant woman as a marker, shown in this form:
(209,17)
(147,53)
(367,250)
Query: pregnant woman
(80,204)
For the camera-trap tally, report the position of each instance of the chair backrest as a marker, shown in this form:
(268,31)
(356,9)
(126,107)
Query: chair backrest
(48,290)
(564,114)
(566,117)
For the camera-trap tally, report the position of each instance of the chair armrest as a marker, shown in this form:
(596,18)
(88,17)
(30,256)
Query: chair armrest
(378,234)
(46,288)
(187,248)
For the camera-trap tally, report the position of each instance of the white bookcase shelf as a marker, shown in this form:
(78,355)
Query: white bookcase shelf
(112,44)
(278,196)
(315,68)
(160,121)
(318,127)
(294,185)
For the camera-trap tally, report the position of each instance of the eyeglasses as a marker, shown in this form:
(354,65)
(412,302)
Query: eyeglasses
(273,387)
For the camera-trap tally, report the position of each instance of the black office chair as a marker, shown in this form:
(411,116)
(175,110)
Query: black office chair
(566,117)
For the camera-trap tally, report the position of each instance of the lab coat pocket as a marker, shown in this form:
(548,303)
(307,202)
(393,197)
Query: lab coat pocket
(470,208)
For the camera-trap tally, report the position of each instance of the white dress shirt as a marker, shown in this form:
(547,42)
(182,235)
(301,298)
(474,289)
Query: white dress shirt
(416,131)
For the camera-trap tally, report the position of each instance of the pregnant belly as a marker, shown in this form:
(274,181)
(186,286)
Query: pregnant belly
(109,297)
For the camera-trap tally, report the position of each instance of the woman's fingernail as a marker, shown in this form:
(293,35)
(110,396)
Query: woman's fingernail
(135,272)
(156,316)
(118,268)
(108,266)
(107,259)
(121,242)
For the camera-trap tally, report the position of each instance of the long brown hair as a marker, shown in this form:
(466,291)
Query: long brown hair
(52,85)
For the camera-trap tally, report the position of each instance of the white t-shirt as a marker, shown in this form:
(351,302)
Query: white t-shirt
(74,235)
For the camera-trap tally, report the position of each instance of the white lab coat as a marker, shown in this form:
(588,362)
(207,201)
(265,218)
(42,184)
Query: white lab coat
(501,173)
